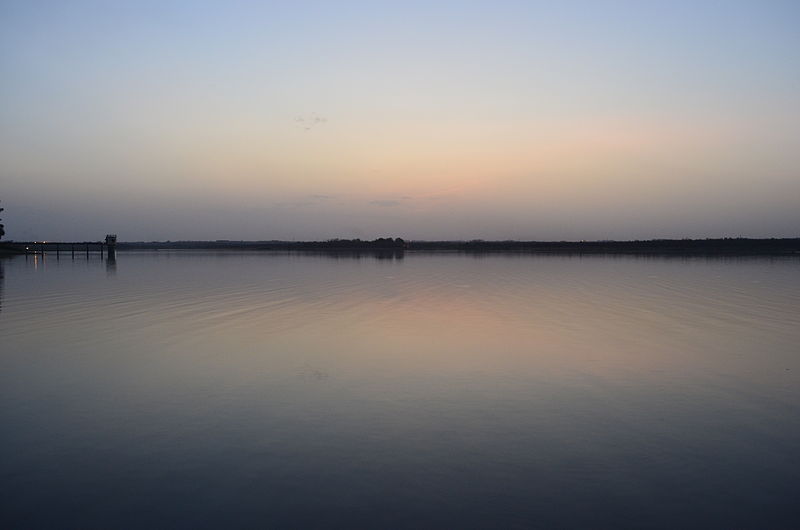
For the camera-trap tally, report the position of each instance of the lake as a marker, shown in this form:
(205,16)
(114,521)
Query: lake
(278,390)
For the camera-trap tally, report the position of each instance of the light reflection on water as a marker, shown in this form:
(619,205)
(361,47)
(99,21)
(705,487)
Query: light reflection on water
(433,390)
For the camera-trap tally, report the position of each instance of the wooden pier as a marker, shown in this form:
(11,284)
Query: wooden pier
(105,249)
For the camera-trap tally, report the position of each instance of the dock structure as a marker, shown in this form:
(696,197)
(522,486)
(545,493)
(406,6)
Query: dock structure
(104,249)
(111,246)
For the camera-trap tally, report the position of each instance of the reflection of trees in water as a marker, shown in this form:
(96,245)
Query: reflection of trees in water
(359,254)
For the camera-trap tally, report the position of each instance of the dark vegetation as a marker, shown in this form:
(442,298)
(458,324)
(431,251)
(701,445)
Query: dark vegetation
(721,246)
(382,243)
(741,246)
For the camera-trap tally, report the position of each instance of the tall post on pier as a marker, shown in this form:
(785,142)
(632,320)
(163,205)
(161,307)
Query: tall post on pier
(111,246)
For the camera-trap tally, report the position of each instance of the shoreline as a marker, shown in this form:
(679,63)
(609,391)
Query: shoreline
(699,247)
(738,246)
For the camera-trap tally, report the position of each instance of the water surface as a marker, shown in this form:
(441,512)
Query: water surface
(267,390)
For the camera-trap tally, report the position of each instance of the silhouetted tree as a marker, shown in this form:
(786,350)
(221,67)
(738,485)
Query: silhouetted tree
(2,227)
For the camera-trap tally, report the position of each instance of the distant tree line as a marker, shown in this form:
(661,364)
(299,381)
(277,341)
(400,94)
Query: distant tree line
(382,243)
(720,246)
(731,245)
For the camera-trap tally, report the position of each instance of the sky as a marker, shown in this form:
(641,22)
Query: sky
(170,120)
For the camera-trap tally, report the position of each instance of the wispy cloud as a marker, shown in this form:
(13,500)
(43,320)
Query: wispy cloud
(296,204)
(386,203)
(307,122)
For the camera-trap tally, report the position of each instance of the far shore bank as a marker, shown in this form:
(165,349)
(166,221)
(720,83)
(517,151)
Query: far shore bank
(721,246)
(707,247)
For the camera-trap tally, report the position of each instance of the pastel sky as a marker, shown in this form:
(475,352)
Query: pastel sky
(424,120)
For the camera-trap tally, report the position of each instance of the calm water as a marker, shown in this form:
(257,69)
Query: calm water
(205,390)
